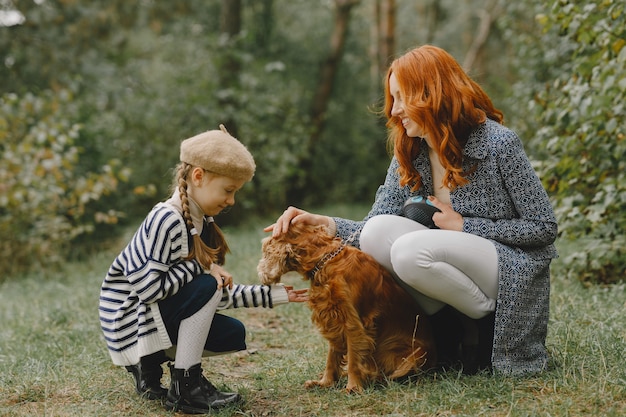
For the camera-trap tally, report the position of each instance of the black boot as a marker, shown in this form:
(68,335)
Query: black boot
(147,374)
(191,393)
(448,334)
(486,327)
(476,356)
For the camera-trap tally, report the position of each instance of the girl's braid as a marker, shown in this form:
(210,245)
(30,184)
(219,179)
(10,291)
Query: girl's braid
(183,171)
(205,255)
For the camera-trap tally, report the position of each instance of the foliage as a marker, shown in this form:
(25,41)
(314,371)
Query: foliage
(45,201)
(568,63)
(582,113)
(154,80)
(145,75)
(53,360)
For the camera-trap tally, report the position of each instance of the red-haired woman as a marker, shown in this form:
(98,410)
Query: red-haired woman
(485,266)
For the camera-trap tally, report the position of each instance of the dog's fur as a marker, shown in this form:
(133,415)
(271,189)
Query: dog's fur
(372,325)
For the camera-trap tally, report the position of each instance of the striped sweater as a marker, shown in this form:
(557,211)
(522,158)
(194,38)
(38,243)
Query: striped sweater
(149,269)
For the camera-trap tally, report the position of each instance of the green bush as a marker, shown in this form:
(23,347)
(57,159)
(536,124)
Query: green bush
(45,199)
(582,114)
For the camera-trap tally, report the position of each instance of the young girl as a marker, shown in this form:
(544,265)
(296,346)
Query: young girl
(162,292)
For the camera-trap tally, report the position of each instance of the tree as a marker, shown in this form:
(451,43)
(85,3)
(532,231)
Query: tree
(328,71)
(382,46)
(229,66)
(488,14)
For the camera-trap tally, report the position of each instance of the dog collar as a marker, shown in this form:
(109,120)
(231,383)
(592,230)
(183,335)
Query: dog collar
(320,264)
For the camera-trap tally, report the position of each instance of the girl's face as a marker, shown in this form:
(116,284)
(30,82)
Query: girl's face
(412,128)
(212,192)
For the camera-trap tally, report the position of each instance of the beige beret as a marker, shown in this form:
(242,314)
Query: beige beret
(218,152)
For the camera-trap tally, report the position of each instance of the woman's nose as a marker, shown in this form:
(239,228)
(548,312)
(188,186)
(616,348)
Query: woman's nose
(396,109)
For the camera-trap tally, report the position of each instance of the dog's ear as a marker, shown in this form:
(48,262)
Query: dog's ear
(291,257)
(289,250)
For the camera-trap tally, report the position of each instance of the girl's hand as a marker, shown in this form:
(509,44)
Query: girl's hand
(297,296)
(222,276)
(295,215)
(448,219)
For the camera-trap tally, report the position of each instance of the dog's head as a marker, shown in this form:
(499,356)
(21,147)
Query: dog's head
(291,251)
(276,260)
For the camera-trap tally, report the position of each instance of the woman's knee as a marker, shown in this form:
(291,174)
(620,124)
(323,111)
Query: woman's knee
(372,233)
(379,232)
(407,257)
(375,239)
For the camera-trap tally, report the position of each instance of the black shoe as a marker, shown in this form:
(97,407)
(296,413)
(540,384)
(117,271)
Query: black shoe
(228,397)
(147,374)
(191,393)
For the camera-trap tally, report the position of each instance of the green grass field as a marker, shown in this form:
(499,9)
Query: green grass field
(53,360)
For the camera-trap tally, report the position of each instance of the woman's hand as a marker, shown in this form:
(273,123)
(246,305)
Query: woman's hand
(295,215)
(448,219)
(222,276)
(297,296)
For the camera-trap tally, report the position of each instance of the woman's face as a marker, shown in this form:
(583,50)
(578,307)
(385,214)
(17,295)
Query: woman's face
(213,193)
(413,130)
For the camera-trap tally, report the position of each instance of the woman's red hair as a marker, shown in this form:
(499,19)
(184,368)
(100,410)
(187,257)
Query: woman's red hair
(445,102)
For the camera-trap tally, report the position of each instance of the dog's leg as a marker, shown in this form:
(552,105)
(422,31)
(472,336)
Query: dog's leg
(340,324)
(333,367)
(360,360)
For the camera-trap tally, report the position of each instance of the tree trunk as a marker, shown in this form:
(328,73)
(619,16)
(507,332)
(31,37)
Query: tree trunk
(329,68)
(230,27)
(387,34)
(328,71)
(433,15)
(263,24)
(487,16)
(374,50)
(382,42)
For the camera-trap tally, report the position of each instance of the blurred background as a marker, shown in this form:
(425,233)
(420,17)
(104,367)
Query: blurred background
(96,96)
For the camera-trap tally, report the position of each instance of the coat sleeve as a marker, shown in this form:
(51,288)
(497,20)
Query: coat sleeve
(534,224)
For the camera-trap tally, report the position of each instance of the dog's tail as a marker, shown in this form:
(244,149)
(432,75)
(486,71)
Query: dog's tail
(414,363)
(405,358)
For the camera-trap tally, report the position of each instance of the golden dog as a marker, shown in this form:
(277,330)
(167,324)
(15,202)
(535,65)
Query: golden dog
(373,327)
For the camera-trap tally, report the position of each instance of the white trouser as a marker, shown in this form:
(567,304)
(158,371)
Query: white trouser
(436,267)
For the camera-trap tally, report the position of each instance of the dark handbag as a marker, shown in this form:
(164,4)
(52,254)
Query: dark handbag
(421,210)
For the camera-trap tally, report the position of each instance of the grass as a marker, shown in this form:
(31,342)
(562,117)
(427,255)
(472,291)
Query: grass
(53,361)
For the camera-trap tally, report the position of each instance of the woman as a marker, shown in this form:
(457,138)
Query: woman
(488,261)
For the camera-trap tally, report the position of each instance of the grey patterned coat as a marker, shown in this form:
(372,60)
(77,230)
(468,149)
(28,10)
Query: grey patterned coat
(506,203)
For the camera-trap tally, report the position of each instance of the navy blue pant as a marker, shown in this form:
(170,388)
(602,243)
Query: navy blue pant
(227,334)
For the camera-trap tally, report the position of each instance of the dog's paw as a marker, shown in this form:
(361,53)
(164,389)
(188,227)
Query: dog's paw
(354,389)
(312,383)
